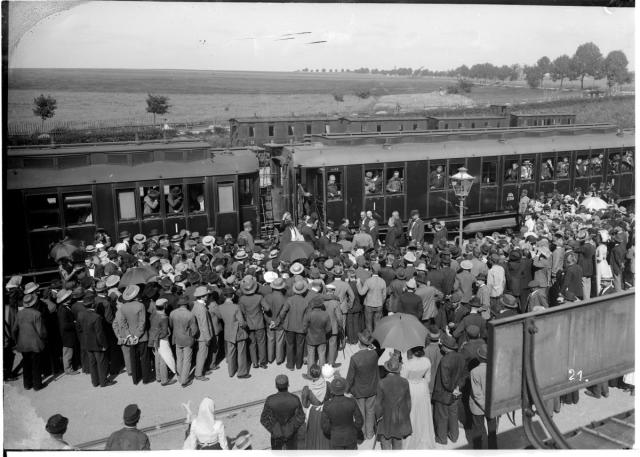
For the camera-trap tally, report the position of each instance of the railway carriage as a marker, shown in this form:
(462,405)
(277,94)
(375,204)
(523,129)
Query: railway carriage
(350,173)
(72,190)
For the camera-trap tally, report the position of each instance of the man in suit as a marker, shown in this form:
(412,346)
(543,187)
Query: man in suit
(272,305)
(249,304)
(159,330)
(291,316)
(375,291)
(393,406)
(96,344)
(282,416)
(473,318)
(235,334)
(184,329)
(205,330)
(409,302)
(477,405)
(129,438)
(362,380)
(30,334)
(341,418)
(67,330)
(416,228)
(134,320)
(316,324)
(308,231)
(245,235)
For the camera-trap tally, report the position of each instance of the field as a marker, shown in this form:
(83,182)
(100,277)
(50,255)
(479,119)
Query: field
(118,96)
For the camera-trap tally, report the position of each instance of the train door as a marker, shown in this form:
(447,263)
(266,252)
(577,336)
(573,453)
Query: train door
(174,203)
(354,192)
(226,205)
(196,205)
(438,179)
(529,174)
(127,208)
(510,183)
(417,185)
(452,202)
(489,186)
(335,194)
(627,183)
(248,202)
(44,225)
(78,213)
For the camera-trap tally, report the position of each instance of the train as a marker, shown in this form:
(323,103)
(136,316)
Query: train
(59,191)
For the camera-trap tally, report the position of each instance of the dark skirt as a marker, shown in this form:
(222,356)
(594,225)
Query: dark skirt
(315,437)
(354,325)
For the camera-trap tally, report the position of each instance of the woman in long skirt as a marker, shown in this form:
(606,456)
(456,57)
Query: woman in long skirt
(417,370)
(603,270)
(313,397)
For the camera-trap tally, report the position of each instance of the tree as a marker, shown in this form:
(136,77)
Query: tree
(157,104)
(533,76)
(587,61)
(544,63)
(561,68)
(338,98)
(615,68)
(44,107)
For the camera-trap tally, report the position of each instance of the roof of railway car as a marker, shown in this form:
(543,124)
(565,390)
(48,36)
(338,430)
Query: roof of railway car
(256,120)
(227,163)
(320,155)
(104,148)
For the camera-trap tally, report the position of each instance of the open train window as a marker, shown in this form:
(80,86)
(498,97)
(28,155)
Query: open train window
(527,169)
(563,166)
(548,169)
(373,181)
(334,186)
(614,162)
(43,211)
(437,176)
(308,127)
(415,126)
(489,172)
(195,194)
(512,170)
(626,165)
(174,199)
(150,201)
(290,130)
(271,130)
(378,128)
(78,208)
(245,191)
(252,132)
(596,164)
(395,180)
(582,165)
(126,204)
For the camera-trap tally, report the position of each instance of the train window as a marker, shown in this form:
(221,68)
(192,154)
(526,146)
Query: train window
(271,129)
(78,208)
(473,125)
(174,199)
(582,165)
(225,198)
(459,125)
(626,165)
(126,204)
(614,162)
(290,130)
(150,199)
(327,128)
(308,127)
(252,132)
(334,186)
(363,127)
(437,177)
(373,181)
(513,170)
(195,194)
(43,211)
(527,170)
(489,172)
(562,167)
(415,126)
(498,124)
(486,124)
(401,128)
(245,191)
(446,126)
(395,180)
(548,169)
(378,128)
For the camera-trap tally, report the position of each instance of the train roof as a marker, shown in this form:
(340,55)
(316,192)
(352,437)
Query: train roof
(257,120)
(542,113)
(476,116)
(321,155)
(111,147)
(220,163)
(416,117)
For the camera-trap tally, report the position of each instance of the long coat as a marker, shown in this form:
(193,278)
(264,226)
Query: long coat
(363,375)
(234,324)
(292,314)
(184,327)
(134,318)
(29,331)
(282,415)
(341,420)
(393,406)
(317,324)
(93,335)
(416,230)
(67,327)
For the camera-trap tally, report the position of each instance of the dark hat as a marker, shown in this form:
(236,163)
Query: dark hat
(515,255)
(365,337)
(131,415)
(473,331)
(317,301)
(570,296)
(392,365)
(415,212)
(124,234)
(183,300)
(338,386)
(482,353)
(433,332)
(482,277)
(401,274)
(449,342)
(57,424)
(509,301)
(166,283)
(112,254)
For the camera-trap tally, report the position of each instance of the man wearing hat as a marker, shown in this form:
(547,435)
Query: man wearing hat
(94,341)
(392,407)
(151,202)
(537,296)
(465,280)
(587,260)
(508,306)
(123,244)
(235,334)
(272,304)
(341,418)
(617,260)
(473,318)
(246,235)
(134,321)
(282,416)
(56,427)
(29,334)
(432,352)
(316,324)
(396,288)
(572,280)
(249,304)
(496,278)
(477,398)
(416,227)
(159,330)
(362,380)
(67,328)
(184,329)
(205,330)
(291,316)
(375,291)
(129,438)
(450,378)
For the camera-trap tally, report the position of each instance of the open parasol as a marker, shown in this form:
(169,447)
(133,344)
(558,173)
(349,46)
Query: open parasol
(400,331)
(296,250)
(594,203)
(64,249)
(137,275)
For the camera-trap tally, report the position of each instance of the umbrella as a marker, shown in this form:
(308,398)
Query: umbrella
(296,250)
(594,203)
(63,249)
(400,331)
(137,275)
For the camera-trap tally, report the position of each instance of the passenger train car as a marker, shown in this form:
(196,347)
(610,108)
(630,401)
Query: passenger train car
(53,192)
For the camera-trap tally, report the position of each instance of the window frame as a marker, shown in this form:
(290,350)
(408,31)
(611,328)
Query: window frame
(134,190)
(374,168)
(162,207)
(225,185)
(433,165)
(65,193)
(193,181)
(340,182)
(403,173)
(271,130)
(488,160)
(47,193)
(173,183)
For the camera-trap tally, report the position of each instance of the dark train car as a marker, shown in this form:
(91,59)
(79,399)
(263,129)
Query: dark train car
(363,172)
(70,191)
(466,122)
(353,124)
(247,131)
(540,119)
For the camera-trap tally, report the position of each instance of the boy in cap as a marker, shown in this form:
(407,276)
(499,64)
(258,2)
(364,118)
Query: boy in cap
(129,438)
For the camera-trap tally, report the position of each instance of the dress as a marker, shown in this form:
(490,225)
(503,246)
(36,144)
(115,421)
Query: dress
(603,270)
(315,437)
(417,371)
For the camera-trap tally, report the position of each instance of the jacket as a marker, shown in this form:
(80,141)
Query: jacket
(518,276)
(393,406)
(158,329)
(375,289)
(272,305)
(335,315)
(341,420)
(128,439)
(135,319)
(29,332)
(478,386)
(282,415)
(67,326)
(184,327)
(587,258)
(205,328)
(465,281)
(317,324)
(363,375)
(292,314)
(92,331)
(410,303)
(416,230)
(451,373)
(572,280)
(234,324)
(216,321)
(252,311)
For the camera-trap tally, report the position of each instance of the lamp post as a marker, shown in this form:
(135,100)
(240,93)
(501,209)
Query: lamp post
(461,183)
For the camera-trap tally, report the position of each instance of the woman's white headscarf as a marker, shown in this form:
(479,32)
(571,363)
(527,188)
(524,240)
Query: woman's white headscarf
(205,428)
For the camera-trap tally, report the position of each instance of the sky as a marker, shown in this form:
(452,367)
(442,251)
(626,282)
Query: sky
(244,36)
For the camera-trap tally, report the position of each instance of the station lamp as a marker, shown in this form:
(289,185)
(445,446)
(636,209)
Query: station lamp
(461,183)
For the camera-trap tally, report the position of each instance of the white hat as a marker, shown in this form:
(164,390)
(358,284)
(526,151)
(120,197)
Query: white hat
(270,276)
(327,372)
(410,257)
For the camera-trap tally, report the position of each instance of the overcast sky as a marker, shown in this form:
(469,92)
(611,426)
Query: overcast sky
(245,36)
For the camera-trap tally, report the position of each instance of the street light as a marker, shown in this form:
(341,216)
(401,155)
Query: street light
(461,183)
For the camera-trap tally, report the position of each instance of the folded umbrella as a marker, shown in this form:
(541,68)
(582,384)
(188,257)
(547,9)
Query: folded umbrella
(296,250)
(165,352)
(137,275)
(400,331)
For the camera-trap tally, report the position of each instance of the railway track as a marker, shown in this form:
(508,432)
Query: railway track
(615,432)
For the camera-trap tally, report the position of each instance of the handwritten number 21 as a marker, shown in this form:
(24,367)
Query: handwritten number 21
(575,375)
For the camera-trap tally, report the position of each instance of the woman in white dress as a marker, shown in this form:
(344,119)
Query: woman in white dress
(603,270)
(204,432)
(417,370)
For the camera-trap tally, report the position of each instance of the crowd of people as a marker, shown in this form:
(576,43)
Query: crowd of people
(205,298)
